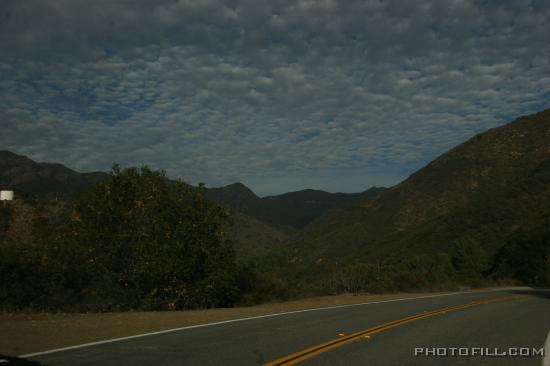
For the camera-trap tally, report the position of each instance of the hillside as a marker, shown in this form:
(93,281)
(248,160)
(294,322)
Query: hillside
(254,238)
(42,184)
(19,220)
(236,196)
(33,179)
(480,192)
(286,211)
(293,209)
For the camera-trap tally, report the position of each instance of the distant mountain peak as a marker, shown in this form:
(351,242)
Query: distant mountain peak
(235,189)
(238,186)
(294,209)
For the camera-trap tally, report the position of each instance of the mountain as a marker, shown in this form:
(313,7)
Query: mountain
(49,180)
(30,178)
(293,209)
(480,192)
(236,196)
(254,238)
(290,210)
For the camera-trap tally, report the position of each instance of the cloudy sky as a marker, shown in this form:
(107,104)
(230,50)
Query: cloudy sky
(279,95)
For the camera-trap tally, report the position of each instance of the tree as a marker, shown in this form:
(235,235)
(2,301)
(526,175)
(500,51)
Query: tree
(469,259)
(154,243)
(6,213)
(526,256)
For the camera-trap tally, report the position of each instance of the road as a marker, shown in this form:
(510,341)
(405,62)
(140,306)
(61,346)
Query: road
(378,333)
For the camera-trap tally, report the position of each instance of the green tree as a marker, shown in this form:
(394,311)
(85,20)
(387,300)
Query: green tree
(424,272)
(154,243)
(6,213)
(469,259)
(526,257)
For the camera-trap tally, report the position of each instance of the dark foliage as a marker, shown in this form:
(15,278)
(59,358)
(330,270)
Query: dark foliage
(134,241)
(293,209)
(526,257)
(6,213)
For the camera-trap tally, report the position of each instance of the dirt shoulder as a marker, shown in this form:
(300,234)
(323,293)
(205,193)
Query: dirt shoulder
(29,333)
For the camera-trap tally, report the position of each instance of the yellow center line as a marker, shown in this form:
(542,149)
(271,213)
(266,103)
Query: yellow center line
(307,353)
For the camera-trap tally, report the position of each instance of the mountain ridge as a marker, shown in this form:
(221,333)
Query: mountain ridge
(30,178)
(292,209)
(287,211)
(489,183)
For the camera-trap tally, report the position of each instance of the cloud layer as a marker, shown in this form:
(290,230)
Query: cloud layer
(280,95)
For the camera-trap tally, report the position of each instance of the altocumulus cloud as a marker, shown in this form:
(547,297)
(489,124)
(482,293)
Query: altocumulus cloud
(281,95)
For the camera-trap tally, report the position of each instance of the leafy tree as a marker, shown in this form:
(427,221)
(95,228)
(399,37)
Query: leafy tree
(526,257)
(469,259)
(424,272)
(134,241)
(155,243)
(6,213)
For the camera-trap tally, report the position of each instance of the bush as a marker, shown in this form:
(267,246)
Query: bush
(526,257)
(6,213)
(134,241)
(470,261)
(425,272)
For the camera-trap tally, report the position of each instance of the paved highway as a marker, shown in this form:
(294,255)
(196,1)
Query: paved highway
(378,333)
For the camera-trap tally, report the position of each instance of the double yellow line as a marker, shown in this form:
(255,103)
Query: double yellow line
(326,346)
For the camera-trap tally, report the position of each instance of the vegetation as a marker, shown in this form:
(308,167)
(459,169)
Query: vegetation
(527,257)
(139,241)
(134,241)
(477,195)
(477,215)
(6,213)
(421,272)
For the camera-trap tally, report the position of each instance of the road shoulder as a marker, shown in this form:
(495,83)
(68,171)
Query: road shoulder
(30,332)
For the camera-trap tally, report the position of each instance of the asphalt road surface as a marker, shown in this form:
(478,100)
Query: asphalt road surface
(379,333)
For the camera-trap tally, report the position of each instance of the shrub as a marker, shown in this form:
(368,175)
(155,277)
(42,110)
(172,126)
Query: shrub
(134,241)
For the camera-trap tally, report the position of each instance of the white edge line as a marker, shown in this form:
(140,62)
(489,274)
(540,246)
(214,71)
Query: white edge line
(252,318)
(546,359)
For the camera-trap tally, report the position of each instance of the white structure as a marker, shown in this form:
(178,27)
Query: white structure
(6,195)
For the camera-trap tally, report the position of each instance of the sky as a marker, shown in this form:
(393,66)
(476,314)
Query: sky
(278,95)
